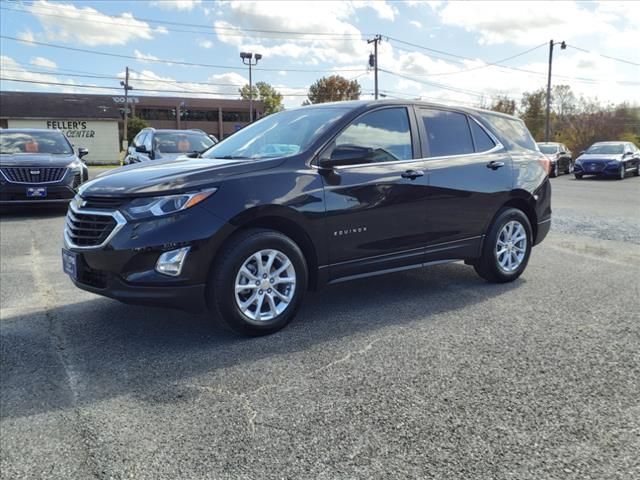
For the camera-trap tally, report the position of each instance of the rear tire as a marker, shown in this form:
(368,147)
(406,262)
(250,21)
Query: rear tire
(270,299)
(506,248)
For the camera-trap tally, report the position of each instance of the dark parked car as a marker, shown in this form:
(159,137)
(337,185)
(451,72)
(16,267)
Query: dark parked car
(559,156)
(39,166)
(155,144)
(311,196)
(608,159)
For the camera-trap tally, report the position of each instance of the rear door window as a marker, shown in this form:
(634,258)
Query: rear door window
(447,133)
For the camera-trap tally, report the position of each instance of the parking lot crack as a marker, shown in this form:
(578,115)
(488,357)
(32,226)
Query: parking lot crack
(60,346)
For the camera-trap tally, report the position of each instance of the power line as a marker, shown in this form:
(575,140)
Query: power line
(605,56)
(167,61)
(103,87)
(40,9)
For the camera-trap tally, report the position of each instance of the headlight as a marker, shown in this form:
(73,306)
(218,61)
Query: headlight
(613,163)
(75,164)
(148,207)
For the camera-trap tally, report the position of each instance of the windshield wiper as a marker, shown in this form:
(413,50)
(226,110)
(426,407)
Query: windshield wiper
(232,157)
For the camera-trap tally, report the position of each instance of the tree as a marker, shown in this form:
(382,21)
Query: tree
(333,89)
(563,100)
(265,93)
(503,104)
(134,125)
(533,112)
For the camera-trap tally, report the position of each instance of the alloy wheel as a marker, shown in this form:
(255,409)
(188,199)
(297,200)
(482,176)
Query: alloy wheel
(511,246)
(265,285)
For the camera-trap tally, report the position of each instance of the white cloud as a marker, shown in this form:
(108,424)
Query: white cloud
(27,36)
(384,10)
(415,23)
(88,26)
(143,56)
(525,23)
(176,4)
(330,37)
(43,62)
(205,43)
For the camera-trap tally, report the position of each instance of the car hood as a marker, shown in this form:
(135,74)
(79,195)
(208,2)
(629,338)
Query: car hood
(172,176)
(597,157)
(35,160)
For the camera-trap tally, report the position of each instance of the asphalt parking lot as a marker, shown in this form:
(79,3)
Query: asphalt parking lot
(425,374)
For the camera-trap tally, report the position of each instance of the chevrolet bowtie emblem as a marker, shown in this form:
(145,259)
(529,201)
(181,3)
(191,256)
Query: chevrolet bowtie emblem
(34,172)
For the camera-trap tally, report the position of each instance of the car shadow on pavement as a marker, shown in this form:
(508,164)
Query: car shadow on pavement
(14,213)
(96,350)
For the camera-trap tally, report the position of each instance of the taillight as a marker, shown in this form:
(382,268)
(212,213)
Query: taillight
(546,164)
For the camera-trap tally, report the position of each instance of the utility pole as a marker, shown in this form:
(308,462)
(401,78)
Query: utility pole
(563,46)
(127,87)
(373,61)
(246,59)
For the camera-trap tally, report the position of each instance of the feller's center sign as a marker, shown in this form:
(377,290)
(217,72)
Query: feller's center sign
(72,128)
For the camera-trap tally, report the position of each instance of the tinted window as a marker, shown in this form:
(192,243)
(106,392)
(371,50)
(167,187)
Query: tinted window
(513,130)
(51,142)
(147,141)
(481,138)
(606,148)
(548,148)
(181,142)
(447,133)
(386,131)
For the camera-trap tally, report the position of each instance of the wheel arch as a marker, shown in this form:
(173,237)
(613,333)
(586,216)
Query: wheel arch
(527,207)
(287,222)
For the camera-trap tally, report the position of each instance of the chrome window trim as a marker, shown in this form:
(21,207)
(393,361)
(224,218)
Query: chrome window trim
(66,171)
(116,215)
(498,146)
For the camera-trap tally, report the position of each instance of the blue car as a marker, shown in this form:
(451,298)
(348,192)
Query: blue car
(608,159)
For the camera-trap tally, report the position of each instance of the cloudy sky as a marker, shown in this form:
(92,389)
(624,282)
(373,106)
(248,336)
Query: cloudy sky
(461,52)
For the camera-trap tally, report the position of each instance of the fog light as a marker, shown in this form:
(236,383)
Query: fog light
(170,263)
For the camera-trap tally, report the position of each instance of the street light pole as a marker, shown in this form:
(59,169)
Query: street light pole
(127,87)
(563,45)
(247,60)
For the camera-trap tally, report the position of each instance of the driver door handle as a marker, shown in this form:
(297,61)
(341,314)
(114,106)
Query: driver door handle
(493,165)
(413,174)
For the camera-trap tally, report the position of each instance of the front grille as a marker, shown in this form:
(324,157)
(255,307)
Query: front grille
(102,203)
(89,230)
(594,166)
(34,174)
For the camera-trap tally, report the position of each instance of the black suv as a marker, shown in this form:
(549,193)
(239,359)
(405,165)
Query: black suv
(39,166)
(311,196)
(156,144)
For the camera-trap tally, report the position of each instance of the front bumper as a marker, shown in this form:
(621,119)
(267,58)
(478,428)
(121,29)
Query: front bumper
(124,268)
(61,192)
(603,170)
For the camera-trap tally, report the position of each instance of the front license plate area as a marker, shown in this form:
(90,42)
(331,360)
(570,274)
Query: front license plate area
(36,192)
(70,263)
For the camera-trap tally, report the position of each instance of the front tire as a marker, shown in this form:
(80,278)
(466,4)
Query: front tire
(622,172)
(506,248)
(554,171)
(258,282)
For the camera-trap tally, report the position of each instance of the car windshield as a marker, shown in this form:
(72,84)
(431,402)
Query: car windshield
(181,142)
(279,135)
(52,142)
(606,148)
(548,148)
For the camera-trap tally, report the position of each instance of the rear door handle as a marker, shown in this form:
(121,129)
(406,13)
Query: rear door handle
(493,165)
(413,174)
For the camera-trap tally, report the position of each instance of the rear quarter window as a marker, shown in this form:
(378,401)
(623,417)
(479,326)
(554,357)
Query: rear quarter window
(513,130)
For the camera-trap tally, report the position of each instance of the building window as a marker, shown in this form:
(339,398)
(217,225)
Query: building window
(199,115)
(235,116)
(156,113)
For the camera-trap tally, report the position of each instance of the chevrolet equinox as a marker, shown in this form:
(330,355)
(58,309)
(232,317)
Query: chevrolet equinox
(308,197)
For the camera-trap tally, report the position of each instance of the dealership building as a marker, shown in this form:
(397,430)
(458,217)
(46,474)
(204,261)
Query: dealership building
(95,122)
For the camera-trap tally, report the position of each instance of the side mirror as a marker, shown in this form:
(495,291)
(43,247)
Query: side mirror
(141,149)
(563,153)
(82,152)
(626,153)
(346,155)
